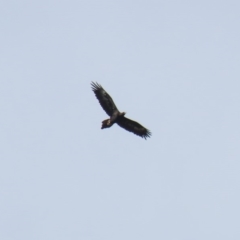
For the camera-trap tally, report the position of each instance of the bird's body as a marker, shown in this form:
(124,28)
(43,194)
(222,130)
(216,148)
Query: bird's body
(115,116)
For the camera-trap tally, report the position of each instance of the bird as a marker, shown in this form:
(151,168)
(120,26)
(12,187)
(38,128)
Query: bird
(117,117)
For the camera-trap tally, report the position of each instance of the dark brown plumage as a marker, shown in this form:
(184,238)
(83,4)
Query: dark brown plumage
(115,116)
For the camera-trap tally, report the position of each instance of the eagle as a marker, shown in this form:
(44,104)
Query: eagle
(110,108)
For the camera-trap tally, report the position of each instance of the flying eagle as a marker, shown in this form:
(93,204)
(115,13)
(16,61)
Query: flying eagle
(115,116)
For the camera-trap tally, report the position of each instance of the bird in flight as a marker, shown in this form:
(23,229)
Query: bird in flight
(110,108)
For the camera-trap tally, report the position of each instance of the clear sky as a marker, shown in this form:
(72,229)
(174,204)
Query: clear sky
(173,66)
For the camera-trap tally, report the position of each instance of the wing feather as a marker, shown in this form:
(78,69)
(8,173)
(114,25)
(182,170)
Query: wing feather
(104,99)
(134,127)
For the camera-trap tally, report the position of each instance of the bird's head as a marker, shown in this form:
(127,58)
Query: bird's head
(122,114)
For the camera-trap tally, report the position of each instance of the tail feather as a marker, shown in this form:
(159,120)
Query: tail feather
(106,124)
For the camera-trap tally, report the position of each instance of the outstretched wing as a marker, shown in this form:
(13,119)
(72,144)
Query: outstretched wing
(104,99)
(133,127)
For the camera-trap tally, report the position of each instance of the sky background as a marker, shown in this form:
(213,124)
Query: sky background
(173,66)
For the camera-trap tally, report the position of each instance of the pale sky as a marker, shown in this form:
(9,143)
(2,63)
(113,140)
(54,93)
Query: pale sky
(173,66)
